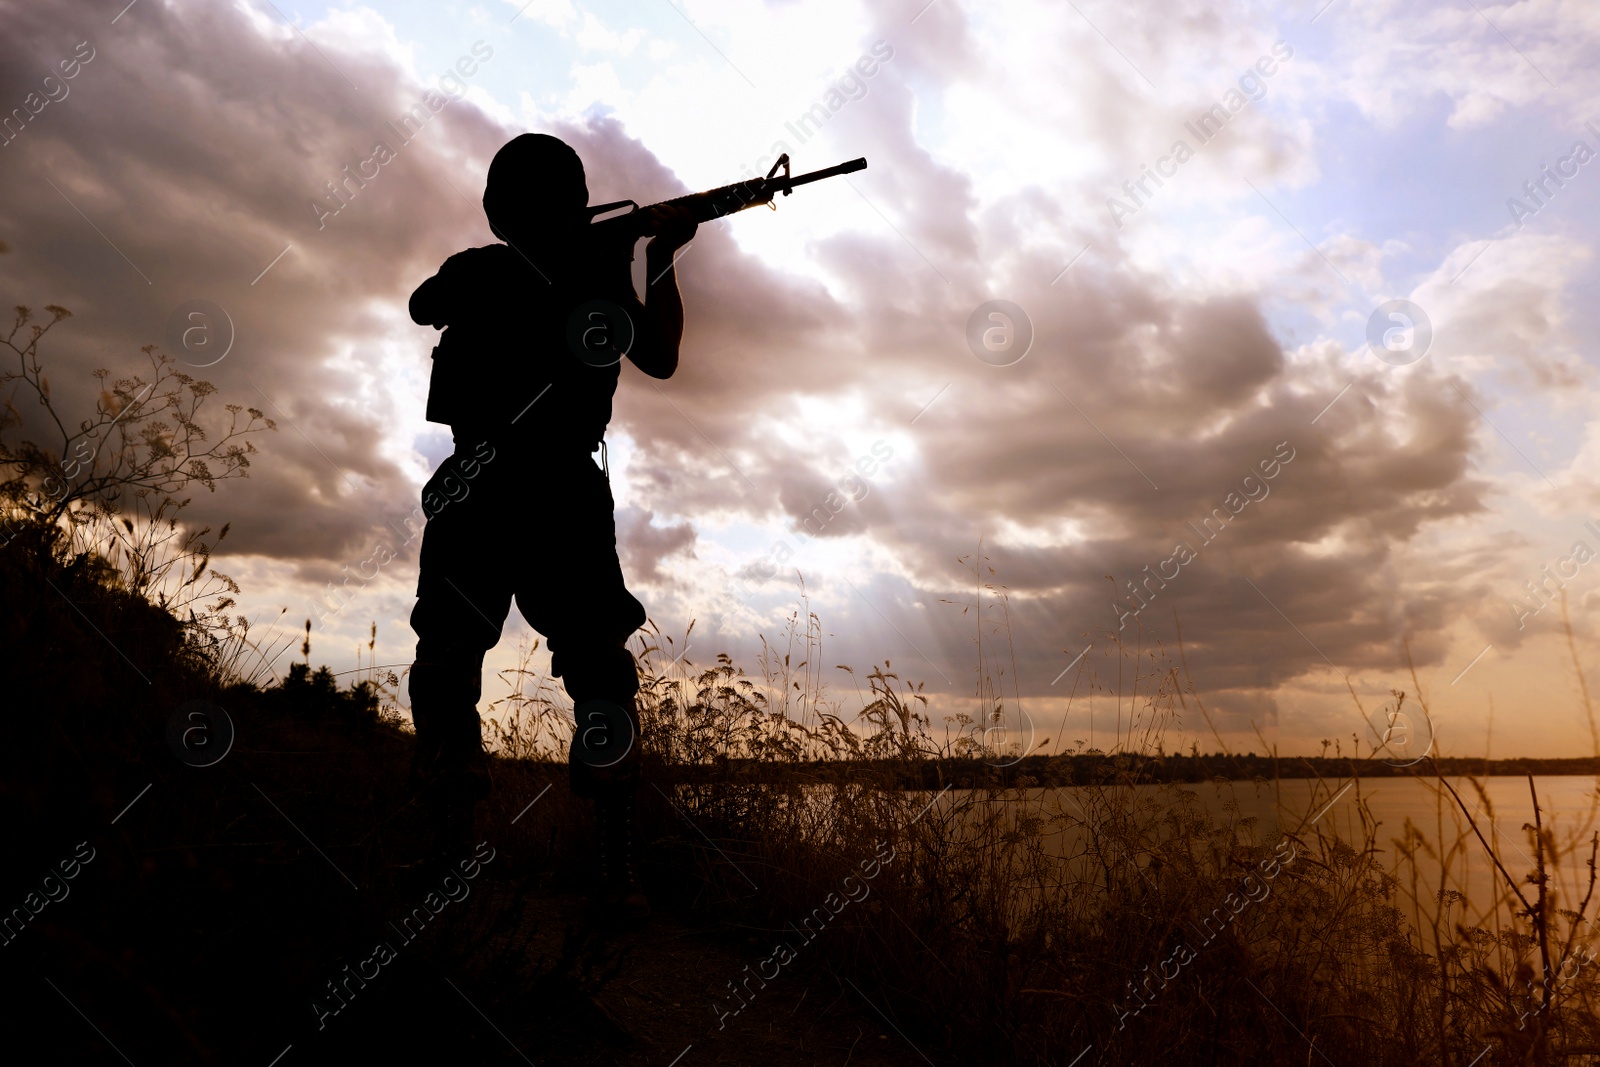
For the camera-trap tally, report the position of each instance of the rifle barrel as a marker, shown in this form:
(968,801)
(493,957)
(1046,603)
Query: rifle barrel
(850,167)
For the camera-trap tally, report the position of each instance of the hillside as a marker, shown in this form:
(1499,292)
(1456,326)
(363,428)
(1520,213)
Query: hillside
(208,907)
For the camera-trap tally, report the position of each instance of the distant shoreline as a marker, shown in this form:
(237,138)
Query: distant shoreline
(1093,769)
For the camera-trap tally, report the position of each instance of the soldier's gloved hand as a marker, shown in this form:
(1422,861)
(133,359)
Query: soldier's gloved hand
(674,227)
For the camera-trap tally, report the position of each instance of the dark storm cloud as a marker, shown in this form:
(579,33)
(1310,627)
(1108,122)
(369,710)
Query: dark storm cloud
(1317,551)
(195,143)
(198,147)
(195,146)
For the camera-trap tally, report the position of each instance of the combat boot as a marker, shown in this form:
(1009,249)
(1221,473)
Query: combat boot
(620,894)
(449,769)
(451,802)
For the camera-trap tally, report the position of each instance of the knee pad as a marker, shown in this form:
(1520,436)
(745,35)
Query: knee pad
(455,680)
(594,671)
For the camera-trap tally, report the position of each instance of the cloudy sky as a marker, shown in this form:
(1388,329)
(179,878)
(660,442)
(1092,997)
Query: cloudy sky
(1199,216)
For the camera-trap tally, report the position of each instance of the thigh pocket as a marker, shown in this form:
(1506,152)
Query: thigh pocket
(447,486)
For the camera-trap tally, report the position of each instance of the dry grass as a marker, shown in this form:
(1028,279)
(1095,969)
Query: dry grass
(1019,925)
(1116,922)
(1007,925)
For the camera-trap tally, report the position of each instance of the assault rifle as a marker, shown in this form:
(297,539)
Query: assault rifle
(714,203)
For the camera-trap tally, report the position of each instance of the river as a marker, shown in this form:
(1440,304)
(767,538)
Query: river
(1568,807)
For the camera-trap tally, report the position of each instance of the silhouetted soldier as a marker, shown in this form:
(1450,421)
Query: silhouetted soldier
(521,509)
